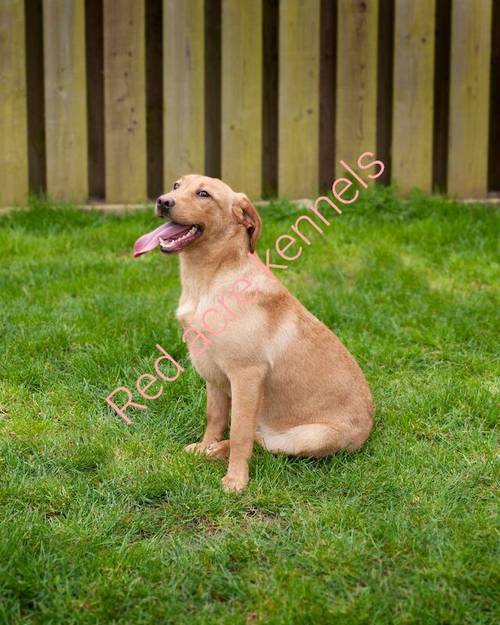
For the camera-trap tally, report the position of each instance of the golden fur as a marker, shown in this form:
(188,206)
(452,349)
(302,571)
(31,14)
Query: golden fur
(278,374)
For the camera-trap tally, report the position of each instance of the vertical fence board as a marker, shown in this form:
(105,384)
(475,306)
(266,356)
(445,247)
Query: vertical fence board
(35,84)
(183,89)
(469,98)
(95,97)
(241,148)
(270,56)
(125,100)
(65,99)
(327,93)
(13,123)
(441,95)
(212,87)
(356,79)
(494,139)
(413,94)
(385,74)
(298,143)
(154,98)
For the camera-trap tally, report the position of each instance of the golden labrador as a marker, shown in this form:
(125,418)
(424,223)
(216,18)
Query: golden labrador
(282,376)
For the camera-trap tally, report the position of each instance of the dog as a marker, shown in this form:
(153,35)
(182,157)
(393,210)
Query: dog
(274,373)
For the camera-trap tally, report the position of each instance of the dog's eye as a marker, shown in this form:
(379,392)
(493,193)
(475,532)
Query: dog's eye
(176,185)
(202,193)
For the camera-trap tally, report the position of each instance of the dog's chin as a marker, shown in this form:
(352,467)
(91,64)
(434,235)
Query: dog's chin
(181,240)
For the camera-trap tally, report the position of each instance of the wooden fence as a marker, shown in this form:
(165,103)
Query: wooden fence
(114,99)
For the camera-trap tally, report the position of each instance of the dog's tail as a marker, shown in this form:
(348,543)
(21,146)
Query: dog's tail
(314,439)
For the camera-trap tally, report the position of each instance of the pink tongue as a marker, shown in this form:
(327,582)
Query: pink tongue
(149,241)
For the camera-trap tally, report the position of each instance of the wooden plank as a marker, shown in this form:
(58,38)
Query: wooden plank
(183,89)
(494,160)
(298,143)
(441,96)
(13,110)
(124,101)
(95,96)
(241,148)
(413,94)
(270,62)
(356,80)
(469,98)
(65,99)
(212,55)
(154,97)
(327,93)
(385,63)
(35,84)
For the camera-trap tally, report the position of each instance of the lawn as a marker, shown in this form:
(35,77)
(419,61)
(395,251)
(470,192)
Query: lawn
(103,522)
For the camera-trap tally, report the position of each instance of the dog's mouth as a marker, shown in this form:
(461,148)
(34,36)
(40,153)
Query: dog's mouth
(171,237)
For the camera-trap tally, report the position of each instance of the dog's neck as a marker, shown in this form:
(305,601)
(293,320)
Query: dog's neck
(202,263)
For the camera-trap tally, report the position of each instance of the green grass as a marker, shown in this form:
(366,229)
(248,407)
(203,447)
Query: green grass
(101,522)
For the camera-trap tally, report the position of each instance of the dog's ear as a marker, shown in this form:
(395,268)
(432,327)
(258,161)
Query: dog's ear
(246,214)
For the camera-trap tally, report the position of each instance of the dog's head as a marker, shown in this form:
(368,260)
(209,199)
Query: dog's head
(200,210)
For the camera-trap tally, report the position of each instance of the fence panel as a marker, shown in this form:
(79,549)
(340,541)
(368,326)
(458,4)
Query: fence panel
(413,94)
(65,99)
(241,89)
(183,89)
(13,110)
(469,98)
(241,146)
(356,123)
(298,134)
(125,100)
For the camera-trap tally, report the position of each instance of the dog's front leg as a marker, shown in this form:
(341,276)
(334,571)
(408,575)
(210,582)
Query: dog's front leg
(218,405)
(247,392)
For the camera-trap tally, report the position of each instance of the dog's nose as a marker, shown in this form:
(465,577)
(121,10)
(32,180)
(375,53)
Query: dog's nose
(164,203)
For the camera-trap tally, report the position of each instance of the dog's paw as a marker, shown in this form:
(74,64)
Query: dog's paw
(218,451)
(195,448)
(234,483)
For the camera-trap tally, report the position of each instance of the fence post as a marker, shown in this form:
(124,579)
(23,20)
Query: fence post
(13,109)
(413,109)
(183,89)
(469,98)
(241,147)
(356,87)
(125,101)
(65,99)
(298,133)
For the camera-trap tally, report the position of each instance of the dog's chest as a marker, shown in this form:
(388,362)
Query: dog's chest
(186,314)
(190,315)
(192,311)
(206,366)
